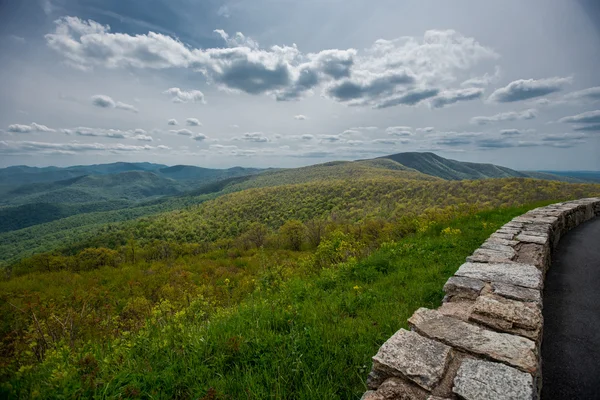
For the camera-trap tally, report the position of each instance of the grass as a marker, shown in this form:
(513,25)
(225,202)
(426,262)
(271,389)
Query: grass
(311,336)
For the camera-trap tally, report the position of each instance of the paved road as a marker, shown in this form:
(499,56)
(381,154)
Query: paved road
(571,342)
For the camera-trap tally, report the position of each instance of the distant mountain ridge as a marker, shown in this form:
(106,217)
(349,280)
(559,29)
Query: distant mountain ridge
(432,164)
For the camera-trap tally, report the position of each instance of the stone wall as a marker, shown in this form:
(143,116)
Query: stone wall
(484,341)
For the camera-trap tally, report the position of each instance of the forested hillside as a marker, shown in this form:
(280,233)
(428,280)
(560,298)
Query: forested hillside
(208,290)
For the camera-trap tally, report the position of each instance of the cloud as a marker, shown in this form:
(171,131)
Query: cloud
(384,141)
(238,40)
(524,89)
(364,128)
(511,132)
(592,93)
(104,101)
(234,126)
(589,117)
(182,132)
(256,137)
(369,86)
(8,147)
(94,132)
(308,137)
(223,11)
(143,138)
(330,138)
(399,131)
(300,117)
(192,122)
(388,73)
(199,137)
(185,96)
(18,128)
(426,129)
(408,98)
(452,96)
(588,128)
(172,122)
(506,116)
(495,143)
(482,81)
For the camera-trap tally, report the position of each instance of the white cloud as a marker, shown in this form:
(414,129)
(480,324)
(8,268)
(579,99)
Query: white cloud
(256,137)
(482,81)
(185,96)
(524,89)
(401,131)
(592,93)
(506,116)
(453,96)
(308,137)
(182,132)
(104,101)
(172,122)
(33,127)
(192,122)
(199,137)
(589,117)
(18,39)
(300,117)
(9,147)
(426,129)
(401,71)
(143,138)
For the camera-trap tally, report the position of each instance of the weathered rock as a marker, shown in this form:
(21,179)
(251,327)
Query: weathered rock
(506,236)
(509,230)
(489,256)
(457,309)
(502,242)
(396,389)
(544,240)
(463,288)
(514,350)
(409,355)
(375,379)
(515,274)
(533,254)
(494,246)
(528,232)
(517,292)
(484,380)
(511,316)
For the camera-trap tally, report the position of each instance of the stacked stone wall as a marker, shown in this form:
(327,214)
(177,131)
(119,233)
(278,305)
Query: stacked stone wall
(484,341)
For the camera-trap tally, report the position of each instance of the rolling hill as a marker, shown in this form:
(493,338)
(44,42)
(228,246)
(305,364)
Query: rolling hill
(432,164)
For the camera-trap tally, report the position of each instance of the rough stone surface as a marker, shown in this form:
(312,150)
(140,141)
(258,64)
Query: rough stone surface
(491,256)
(514,350)
(534,254)
(506,236)
(515,274)
(410,355)
(499,247)
(484,380)
(511,316)
(502,242)
(517,292)
(533,239)
(463,288)
(396,389)
(458,309)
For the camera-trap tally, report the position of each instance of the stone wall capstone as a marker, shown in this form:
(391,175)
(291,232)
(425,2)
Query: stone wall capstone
(484,341)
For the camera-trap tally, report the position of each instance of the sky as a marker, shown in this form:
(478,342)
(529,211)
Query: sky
(281,83)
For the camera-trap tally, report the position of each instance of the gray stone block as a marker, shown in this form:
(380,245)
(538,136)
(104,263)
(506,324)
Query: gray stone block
(484,380)
(414,357)
(517,292)
(510,349)
(463,288)
(515,274)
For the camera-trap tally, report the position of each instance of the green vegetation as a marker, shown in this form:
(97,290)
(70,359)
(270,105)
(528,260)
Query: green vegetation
(253,324)
(281,284)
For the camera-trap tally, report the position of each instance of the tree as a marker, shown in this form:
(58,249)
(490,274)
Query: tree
(293,232)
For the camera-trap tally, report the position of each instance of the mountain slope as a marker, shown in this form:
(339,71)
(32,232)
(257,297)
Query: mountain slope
(432,164)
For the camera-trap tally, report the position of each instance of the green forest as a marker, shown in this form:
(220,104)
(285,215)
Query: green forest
(274,284)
